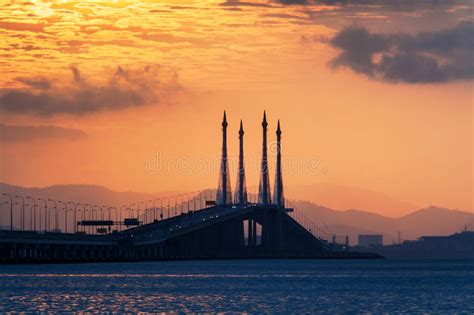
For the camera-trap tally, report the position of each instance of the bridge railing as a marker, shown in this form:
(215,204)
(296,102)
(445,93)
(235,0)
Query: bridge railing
(25,213)
(177,205)
(320,231)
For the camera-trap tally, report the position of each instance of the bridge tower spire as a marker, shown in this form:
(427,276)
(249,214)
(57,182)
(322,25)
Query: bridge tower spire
(224,194)
(264,186)
(278,196)
(241,193)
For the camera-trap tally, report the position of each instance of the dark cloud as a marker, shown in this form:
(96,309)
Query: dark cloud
(284,16)
(159,11)
(182,7)
(427,57)
(126,88)
(290,2)
(238,3)
(37,83)
(233,9)
(76,74)
(401,4)
(10,133)
(388,2)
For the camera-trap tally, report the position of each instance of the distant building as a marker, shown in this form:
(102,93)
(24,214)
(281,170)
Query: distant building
(370,240)
(455,246)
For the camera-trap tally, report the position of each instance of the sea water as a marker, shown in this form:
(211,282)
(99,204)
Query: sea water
(252,286)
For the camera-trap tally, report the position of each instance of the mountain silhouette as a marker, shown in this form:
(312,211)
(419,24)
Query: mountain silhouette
(431,220)
(341,197)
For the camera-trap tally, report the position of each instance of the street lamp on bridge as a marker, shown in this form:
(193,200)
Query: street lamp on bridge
(32,214)
(55,214)
(138,209)
(161,208)
(154,208)
(45,213)
(177,202)
(116,213)
(120,216)
(11,210)
(183,201)
(65,214)
(101,211)
(147,210)
(22,217)
(90,214)
(169,201)
(83,214)
(109,209)
(2,203)
(74,215)
(130,209)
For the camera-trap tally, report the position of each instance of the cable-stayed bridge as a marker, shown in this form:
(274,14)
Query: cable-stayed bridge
(200,225)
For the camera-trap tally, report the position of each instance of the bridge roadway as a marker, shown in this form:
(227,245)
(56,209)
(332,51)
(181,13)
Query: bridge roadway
(160,231)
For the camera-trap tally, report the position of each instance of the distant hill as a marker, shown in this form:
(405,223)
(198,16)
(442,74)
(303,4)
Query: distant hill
(340,197)
(427,221)
(436,221)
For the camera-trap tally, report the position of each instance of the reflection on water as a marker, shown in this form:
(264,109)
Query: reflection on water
(297,286)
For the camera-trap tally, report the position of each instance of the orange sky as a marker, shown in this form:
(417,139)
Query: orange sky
(153,77)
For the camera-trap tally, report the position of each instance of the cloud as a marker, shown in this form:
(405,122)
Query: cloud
(32,27)
(428,57)
(291,2)
(38,83)
(11,133)
(126,88)
(400,4)
(238,3)
(76,74)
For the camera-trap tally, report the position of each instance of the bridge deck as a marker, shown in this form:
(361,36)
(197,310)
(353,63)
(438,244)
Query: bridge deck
(30,237)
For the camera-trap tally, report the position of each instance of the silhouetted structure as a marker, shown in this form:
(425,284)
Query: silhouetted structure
(455,246)
(370,240)
(264,186)
(241,192)
(216,232)
(224,193)
(278,196)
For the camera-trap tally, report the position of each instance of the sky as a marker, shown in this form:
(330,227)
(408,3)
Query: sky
(372,95)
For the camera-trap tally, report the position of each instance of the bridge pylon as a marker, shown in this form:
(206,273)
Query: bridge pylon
(224,192)
(241,189)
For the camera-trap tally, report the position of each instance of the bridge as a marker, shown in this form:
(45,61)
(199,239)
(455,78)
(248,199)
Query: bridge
(219,226)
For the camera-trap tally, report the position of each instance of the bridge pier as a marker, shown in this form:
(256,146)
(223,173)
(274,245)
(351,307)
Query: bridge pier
(249,232)
(254,233)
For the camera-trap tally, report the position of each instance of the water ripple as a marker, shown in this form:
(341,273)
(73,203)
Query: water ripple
(268,286)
